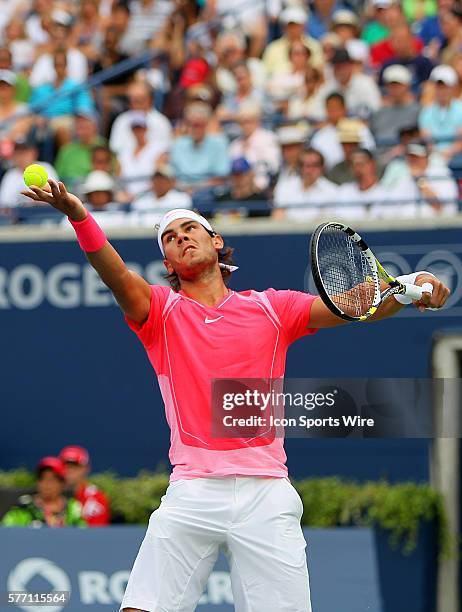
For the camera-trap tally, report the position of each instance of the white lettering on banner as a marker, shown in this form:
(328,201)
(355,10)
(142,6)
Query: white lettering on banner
(62,285)
(65,285)
(26,286)
(118,584)
(98,587)
(155,273)
(95,292)
(93,588)
(4,303)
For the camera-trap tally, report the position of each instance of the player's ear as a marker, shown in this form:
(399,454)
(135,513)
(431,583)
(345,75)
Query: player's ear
(218,242)
(168,267)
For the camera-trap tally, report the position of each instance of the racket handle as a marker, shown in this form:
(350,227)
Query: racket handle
(415,291)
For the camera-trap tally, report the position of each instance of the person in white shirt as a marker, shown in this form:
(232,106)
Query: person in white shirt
(311,196)
(148,208)
(355,199)
(292,139)
(159,128)
(258,145)
(138,160)
(428,190)
(362,95)
(77,66)
(25,153)
(327,141)
(230,49)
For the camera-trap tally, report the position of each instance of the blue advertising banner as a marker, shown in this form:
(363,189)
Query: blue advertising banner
(72,371)
(94,565)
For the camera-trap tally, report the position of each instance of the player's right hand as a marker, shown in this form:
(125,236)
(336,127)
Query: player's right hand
(68,203)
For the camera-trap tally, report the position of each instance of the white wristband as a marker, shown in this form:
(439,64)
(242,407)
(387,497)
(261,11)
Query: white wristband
(410,279)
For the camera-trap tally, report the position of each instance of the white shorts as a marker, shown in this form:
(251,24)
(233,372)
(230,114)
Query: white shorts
(256,521)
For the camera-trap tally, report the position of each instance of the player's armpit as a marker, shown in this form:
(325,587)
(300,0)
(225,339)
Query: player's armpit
(322,317)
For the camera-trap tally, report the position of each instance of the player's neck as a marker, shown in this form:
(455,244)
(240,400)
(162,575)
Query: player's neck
(208,289)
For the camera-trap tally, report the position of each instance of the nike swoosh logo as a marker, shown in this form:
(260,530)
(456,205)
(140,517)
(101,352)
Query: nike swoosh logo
(207,320)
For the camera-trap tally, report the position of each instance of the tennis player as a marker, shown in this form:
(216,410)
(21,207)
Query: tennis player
(230,493)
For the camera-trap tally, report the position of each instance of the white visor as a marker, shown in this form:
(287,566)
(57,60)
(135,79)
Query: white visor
(184,213)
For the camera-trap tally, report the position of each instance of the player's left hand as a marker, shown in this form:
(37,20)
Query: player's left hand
(435,300)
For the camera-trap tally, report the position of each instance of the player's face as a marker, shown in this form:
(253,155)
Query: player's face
(189,248)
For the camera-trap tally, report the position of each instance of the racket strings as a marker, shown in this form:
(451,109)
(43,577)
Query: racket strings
(346,273)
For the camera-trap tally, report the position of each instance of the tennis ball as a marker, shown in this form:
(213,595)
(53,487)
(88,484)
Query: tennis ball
(35,175)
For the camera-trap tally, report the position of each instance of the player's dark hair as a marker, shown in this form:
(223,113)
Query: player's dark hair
(225,256)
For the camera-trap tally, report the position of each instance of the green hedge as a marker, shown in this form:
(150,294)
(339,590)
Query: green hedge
(328,502)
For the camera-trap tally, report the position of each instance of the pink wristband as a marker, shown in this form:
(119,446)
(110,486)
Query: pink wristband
(89,234)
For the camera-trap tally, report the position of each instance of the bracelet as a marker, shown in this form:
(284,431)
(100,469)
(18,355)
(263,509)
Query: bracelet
(409,279)
(89,234)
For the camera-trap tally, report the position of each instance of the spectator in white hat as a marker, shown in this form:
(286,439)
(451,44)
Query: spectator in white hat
(345,24)
(399,108)
(138,159)
(98,191)
(256,144)
(426,190)
(161,196)
(292,139)
(349,134)
(276,55)
(405,52)
(322,14)
(442,120)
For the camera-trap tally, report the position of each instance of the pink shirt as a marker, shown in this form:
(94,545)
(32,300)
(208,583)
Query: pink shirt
(188,344)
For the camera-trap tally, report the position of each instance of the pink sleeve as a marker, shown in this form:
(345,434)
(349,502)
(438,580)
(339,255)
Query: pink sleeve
(293,309)
(148,330)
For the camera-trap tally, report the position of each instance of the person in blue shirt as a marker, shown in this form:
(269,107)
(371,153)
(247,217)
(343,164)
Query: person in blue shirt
(321,13)
(429,29)
(442,120)
(200,159)
(56,109)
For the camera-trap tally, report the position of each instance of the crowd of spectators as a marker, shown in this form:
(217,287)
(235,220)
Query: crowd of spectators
(63,497)
(289,108)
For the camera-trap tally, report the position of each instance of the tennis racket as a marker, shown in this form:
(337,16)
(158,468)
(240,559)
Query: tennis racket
(347,274)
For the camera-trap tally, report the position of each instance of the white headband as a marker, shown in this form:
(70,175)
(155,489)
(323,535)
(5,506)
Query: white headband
(184,213)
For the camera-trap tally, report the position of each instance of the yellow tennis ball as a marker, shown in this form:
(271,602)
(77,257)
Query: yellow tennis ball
(35,175)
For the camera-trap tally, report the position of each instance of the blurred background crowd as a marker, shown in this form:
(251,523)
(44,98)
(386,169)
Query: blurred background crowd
(283,108)
(62,495)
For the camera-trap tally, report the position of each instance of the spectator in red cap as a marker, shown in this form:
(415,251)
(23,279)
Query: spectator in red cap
(95,505)
(48,507)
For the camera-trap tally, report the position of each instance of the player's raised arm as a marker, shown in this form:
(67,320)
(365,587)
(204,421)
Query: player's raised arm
(131,291)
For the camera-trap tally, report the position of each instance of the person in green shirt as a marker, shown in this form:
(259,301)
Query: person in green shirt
(48,507)
(22,89)
(73,161)
(385,14)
